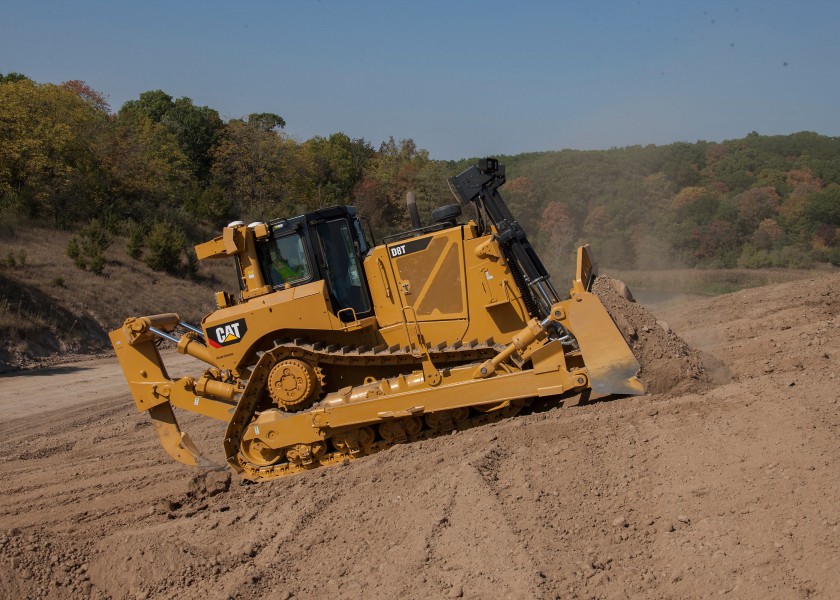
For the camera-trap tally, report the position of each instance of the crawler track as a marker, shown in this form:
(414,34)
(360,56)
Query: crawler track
(253,461)
(362,356)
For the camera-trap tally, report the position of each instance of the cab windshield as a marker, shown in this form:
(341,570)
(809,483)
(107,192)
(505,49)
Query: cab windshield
(287,261)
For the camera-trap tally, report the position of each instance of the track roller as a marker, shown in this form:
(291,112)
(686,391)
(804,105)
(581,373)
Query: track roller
(393,431)
(257,453)
(353,442)
(306,455)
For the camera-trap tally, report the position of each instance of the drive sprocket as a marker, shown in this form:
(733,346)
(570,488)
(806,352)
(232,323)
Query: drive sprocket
(294,384)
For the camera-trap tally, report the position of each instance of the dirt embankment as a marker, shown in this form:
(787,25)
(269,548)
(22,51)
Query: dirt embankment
(49,307)
(721,489)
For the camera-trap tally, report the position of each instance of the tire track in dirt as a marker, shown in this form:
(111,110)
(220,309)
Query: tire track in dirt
(464,547)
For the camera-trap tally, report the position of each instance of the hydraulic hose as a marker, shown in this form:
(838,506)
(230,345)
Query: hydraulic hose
(519,278)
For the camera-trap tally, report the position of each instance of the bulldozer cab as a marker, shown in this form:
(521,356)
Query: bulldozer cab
(328,245)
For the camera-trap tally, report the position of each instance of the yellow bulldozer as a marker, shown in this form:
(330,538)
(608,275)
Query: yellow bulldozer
(336,348)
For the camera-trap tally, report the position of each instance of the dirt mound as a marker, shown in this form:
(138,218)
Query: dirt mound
(669,364)
(207,483)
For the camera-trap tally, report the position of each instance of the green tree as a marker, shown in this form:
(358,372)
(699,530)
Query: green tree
(333,168)
(197,130)
(824,207)
(195,127)
(153,104)
(164,247)
(136,235)
(88,249)
(13,77)
(263,173)
(684,162)
(266,121)
(48,166)
(210,204)
(146,171)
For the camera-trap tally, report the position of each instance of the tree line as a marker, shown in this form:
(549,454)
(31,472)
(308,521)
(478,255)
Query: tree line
(759,201)
(163,172)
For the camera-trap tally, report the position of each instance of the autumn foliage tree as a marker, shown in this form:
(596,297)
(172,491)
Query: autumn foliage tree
(393,171)
(259,171)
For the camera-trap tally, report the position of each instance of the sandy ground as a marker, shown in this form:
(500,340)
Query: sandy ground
(730,491)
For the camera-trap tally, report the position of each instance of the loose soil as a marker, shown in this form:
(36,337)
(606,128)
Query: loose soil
(719,484)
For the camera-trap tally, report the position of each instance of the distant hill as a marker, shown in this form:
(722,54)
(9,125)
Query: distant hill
(760,201)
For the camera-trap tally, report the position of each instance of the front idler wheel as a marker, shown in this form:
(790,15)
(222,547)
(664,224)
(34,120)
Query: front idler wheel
(259,454)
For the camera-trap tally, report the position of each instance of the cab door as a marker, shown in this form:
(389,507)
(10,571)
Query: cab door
(343,270)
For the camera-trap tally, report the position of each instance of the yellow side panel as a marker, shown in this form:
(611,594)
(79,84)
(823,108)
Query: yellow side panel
(496,308)
(431,279)
(305,307)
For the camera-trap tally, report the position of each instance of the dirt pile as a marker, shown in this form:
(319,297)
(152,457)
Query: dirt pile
(669,364)
(206,484)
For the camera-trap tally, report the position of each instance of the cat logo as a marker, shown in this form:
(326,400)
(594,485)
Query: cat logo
(226,333)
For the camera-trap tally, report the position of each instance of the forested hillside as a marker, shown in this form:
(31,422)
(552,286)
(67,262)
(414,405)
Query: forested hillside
(162,173)
(760,201)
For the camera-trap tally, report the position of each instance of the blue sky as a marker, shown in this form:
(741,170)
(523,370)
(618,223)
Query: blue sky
(462,79)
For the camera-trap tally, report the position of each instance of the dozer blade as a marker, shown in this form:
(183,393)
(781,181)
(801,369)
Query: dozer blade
(610,362)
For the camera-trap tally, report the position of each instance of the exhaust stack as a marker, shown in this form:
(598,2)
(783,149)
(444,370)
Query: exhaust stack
(411,203)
